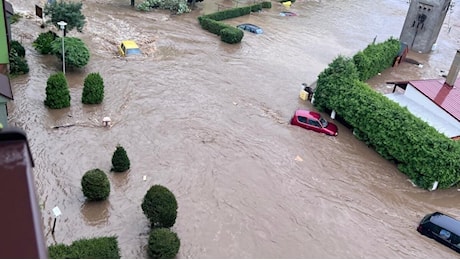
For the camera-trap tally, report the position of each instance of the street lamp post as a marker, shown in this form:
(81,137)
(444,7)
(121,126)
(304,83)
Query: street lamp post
(62,24)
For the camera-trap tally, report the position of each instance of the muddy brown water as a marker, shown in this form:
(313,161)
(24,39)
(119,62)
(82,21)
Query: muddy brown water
(209,121)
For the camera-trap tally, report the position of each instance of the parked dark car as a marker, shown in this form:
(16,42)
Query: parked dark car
(313,121)
(250,27)
(442,228)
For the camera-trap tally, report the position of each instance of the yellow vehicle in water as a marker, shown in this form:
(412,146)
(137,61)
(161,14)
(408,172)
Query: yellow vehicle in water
(128,47)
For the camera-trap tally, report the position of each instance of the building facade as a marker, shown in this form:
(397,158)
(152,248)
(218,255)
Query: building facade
(423,23)
(6,11)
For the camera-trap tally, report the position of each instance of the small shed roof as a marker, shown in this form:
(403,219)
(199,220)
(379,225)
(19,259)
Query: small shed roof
(447,98)
(5,87)
(426,115)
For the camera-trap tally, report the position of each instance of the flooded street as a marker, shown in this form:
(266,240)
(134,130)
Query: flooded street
(210,121)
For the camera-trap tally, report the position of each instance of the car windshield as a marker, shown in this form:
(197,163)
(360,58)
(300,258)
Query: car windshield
(133,51)
(323,122)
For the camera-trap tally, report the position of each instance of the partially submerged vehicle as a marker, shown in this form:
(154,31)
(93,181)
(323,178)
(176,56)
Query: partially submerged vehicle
(288,13)
(442,228)
(313,121)
(250,27)
(128,47)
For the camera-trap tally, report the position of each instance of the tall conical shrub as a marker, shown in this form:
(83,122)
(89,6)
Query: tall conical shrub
(57,91)
(120,160)
(93,89)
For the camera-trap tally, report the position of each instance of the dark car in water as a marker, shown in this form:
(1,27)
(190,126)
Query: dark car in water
(442,228)
(313,121)
(250,27)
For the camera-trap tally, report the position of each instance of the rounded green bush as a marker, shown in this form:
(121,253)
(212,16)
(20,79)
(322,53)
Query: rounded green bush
(163,244)
(43,42)
(57,92)
(231,35)
(120,160)
(17,46)
(95,185)
(93,89)
(160,206)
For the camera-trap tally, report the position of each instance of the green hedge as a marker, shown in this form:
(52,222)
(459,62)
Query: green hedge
(231,35)
(419,151)
(376,58)
(211,22)
(94,248)
(229,13)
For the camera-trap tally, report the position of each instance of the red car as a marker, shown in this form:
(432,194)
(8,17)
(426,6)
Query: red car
(313,121)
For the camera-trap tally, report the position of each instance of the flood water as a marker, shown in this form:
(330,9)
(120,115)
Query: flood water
(210,121)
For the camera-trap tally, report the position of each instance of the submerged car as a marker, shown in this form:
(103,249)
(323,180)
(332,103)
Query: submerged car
(288,13)
(313,121)
(250,27)
(129,47)
(441,228)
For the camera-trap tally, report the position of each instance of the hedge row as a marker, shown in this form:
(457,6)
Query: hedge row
(376,58)
(95,248)
(419,151)
(229,33)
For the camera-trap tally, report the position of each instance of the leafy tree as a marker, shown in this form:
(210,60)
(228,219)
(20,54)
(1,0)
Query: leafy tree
(95,185)
(93,89)
(120,160)
(57,92)
(76,51)
(163,244)
(69,12)
(93,248)
(43,42)
(160,206)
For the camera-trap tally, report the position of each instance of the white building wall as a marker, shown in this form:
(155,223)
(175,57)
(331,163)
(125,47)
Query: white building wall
(421,99)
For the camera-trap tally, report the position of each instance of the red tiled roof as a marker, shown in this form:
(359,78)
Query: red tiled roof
(444,96)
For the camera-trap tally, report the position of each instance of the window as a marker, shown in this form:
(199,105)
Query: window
(302,119)
(455,239)
(314,123)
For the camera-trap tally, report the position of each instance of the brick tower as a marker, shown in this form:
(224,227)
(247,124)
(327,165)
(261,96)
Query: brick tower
(423,24)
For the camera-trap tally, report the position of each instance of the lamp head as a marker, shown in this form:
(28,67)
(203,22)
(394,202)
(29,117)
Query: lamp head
(62,24)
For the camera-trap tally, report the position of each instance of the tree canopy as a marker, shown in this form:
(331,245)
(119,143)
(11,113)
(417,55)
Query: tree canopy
(76,52)
(69,12)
